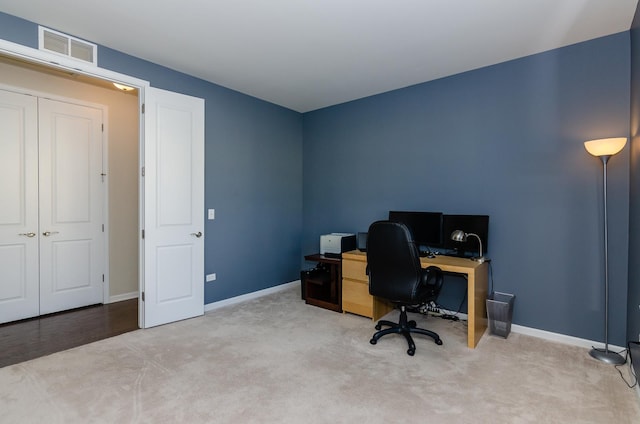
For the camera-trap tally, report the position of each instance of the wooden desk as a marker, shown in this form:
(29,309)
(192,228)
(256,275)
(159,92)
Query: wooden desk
(476,274)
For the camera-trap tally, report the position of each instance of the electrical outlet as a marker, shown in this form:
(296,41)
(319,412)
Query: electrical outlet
(211,277)
(211,214)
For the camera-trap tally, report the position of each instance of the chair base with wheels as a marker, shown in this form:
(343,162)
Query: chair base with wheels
(405,328)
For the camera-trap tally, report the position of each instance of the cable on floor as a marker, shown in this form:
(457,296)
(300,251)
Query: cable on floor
(630,362)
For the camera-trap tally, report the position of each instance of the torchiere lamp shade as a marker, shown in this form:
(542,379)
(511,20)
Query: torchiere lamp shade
(605,146)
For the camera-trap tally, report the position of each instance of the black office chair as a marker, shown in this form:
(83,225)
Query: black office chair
(395,274)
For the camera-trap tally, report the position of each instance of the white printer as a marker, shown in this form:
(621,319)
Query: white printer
(335,243)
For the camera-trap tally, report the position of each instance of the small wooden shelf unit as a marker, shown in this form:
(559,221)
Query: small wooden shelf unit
(323,288)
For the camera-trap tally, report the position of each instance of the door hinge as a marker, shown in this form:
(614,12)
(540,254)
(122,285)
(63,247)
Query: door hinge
(143,171)
(103,278)
(142,107)
(142,233)
(143,296)
(102,127)
(103,228)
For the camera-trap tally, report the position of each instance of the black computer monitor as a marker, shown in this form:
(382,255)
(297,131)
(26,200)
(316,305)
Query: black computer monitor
(477,224)
(425,227)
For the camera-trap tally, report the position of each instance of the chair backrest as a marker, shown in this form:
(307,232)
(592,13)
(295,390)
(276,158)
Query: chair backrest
(393,263)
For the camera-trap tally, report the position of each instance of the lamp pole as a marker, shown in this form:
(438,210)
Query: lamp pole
(605,355)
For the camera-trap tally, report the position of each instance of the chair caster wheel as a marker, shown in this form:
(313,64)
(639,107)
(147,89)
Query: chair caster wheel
(373,341)
(412,324)
(411,352)
(439,342)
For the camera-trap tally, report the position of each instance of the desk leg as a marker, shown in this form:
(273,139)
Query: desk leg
(477,285)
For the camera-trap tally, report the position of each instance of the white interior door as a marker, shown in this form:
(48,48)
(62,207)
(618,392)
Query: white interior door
(19,206)
(71,206)
(173,248)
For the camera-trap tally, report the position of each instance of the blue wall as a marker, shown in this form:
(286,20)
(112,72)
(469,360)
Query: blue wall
(253,174)
(633,303)
(506,141)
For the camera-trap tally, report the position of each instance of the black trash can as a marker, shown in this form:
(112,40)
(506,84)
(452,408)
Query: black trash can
(500,313)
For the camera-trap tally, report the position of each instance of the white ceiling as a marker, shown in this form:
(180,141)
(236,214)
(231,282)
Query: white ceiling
(309,54)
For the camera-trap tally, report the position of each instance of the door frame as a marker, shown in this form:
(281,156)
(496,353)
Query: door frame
(50,60)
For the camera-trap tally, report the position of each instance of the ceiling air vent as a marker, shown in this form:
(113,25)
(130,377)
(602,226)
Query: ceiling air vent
(65,45)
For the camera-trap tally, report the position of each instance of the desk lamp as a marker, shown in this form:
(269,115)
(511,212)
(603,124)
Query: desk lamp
(461,236)
(605,148)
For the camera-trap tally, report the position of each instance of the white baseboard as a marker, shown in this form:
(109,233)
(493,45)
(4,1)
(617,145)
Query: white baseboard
(562,338)
(249,296)
(542,334)
(124,296)
(548,335)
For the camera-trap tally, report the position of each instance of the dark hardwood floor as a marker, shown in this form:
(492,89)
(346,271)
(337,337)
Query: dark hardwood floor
(41,336)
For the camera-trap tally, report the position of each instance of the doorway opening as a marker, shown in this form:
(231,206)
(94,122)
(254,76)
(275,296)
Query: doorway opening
(121,161)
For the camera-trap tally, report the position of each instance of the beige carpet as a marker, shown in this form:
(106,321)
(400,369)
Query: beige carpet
(277,360)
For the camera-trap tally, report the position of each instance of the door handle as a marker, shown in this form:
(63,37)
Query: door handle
(27,234)
(198,234)
(48,233)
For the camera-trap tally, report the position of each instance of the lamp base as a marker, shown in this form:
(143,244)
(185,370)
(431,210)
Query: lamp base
(607,356)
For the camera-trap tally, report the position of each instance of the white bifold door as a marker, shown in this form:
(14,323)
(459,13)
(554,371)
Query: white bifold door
(19,232)
(51,217)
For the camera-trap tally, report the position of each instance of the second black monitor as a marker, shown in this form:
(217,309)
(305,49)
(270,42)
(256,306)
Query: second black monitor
(476,224)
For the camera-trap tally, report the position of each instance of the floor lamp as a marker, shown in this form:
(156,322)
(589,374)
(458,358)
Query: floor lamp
(605,148)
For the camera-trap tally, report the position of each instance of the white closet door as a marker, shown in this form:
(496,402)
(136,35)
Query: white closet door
(19,207)
(173,208)
(71,206)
